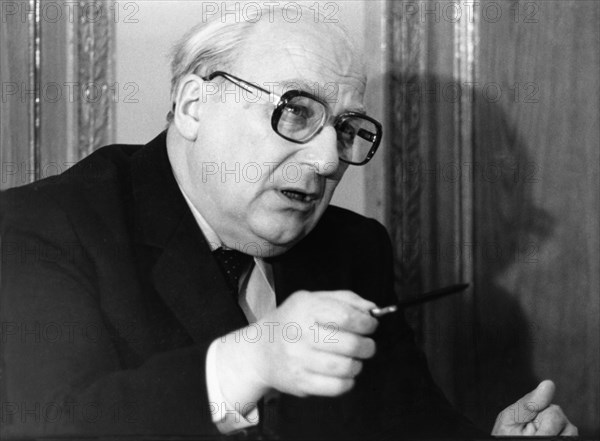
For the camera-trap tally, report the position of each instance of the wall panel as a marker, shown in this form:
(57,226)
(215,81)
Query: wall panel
(57,91)
(503,113)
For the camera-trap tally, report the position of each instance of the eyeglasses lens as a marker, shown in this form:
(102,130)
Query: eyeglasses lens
(302,117)
(356,137)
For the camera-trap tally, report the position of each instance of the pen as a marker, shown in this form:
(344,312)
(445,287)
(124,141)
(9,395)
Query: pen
(421,298)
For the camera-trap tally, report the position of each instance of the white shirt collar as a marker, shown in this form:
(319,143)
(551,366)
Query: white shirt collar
(211,236)
(214,242)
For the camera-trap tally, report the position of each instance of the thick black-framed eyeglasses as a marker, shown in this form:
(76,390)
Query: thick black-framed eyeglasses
(299,116)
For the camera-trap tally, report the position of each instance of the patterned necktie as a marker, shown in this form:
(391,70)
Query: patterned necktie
(233,264)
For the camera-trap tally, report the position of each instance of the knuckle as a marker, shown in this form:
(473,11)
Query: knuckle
(343,318)
(333,366)
(352,345)
(555,409)
(299,294)
(367,324)
(347,366)
(297,298)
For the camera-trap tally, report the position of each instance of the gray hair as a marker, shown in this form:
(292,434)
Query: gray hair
(215,44)
(204,47)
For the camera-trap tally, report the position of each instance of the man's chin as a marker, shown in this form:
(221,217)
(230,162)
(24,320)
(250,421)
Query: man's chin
(276,241)
(275,246)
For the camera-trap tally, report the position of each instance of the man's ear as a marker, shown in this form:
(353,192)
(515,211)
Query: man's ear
(188,110)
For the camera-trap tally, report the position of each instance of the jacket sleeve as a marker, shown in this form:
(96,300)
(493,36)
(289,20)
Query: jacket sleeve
(61,372)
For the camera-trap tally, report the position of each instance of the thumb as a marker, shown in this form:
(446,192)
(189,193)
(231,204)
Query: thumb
(536,401)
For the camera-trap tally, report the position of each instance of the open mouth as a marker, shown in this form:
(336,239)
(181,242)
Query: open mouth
(298,195)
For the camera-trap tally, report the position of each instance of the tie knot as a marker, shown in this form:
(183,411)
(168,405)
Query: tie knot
(233,263)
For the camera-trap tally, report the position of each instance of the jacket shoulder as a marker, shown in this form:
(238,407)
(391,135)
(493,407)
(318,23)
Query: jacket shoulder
(105,169)
(104,162)
(353,227)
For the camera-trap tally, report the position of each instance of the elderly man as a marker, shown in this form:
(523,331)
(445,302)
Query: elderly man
(127,307)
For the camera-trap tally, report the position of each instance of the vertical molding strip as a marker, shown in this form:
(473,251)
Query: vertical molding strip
(465,47)
(406,37)
(95,71)
(34,85)
(37,88)
(31,68)
(72,108)
(406,69)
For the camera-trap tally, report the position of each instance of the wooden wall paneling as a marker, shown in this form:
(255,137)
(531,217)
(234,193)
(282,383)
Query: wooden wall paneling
(431,209)
(445,208)
(508,198)
(406,65)
(505,218)
(377,103)
(58,89)
(95,60)
(440,200)
(452,227)
(539,304)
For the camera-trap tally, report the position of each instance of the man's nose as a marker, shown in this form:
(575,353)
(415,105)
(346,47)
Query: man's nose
(321,152)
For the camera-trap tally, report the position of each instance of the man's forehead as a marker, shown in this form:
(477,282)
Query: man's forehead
(305,54)
(332,64)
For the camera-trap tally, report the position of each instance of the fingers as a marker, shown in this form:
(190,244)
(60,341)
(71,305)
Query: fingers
(325,355)
(353,299)
(534,414)
(535,401)
(347,311)
(346,318)
(334,365)
(529,430)
(553,421)
(325,386)
(348,345)
(569,430)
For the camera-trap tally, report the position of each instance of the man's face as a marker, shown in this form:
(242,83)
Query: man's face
(260,192)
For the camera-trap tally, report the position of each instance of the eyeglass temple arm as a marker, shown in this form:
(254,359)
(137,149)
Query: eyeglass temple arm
(240,83)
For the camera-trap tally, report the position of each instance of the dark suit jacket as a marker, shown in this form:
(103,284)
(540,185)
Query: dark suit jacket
(111,297)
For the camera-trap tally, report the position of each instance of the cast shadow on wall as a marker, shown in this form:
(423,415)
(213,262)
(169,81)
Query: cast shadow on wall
(479,348)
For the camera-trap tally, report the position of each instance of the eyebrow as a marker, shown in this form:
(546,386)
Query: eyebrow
(360,110)
(306,86)
(298,83)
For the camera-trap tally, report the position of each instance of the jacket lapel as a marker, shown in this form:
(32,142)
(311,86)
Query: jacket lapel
(185,274)
(312,265)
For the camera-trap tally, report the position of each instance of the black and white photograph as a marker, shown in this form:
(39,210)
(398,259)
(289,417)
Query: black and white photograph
(299,220)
